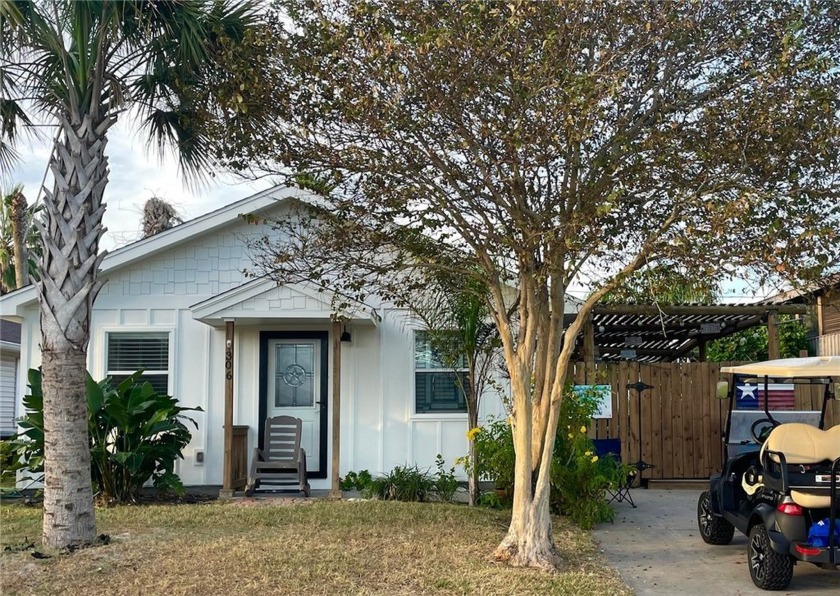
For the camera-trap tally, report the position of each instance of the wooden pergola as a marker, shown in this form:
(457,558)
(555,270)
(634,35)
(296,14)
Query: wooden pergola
(654,333)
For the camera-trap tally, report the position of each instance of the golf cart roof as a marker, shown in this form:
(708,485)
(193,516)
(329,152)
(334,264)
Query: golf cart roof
(820,366)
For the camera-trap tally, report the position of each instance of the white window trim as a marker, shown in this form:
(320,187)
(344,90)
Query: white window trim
(413,414)
(102,361)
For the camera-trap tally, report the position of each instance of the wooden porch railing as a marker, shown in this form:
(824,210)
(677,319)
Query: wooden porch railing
(239,455)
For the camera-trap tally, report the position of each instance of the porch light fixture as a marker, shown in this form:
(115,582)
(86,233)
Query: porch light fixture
(345,336)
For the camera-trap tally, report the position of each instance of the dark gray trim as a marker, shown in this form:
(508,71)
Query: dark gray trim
(265,337)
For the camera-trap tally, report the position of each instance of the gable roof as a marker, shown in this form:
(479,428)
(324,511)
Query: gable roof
(143,249)
(252,300)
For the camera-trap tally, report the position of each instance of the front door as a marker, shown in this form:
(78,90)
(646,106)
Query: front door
(294,384)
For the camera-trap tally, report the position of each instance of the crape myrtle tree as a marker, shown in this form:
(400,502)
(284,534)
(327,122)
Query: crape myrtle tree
(82,66)
(544,145)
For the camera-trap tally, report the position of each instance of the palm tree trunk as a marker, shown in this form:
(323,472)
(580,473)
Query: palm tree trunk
(68,286)
(68,497)
(18,218)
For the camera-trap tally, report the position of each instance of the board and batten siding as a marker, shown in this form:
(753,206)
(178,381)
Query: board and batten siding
(409,437)
(380,428)
(8,393)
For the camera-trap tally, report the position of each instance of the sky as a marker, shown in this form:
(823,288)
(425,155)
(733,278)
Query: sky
(137,175)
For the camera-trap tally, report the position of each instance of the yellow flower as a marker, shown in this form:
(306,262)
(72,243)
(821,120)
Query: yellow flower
(588,453)
(583,429)
(571,436)
(473,433)
(594,458)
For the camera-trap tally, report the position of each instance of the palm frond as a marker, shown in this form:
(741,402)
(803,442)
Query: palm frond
(178,129)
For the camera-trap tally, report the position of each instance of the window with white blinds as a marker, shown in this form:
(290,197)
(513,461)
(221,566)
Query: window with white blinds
(129,352)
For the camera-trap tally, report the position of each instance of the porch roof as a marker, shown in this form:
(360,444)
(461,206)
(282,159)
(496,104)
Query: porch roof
(263,300)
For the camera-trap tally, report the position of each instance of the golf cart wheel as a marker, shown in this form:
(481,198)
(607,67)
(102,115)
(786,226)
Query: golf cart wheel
(769,570)
(713,529)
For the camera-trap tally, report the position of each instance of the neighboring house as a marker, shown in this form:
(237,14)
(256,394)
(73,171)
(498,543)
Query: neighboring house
(825,297)
(9,357)
(179,305)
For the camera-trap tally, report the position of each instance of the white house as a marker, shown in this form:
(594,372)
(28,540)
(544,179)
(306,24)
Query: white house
(179,305)
(9,356)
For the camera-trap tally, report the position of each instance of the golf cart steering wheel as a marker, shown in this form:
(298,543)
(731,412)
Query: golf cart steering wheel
(760,437)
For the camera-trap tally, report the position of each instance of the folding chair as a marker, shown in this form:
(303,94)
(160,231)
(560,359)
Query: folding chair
(612,448)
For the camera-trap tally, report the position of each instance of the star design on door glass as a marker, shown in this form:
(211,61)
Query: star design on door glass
(294,375)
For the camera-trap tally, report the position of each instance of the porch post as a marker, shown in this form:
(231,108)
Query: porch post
(227,470)
(335,488)
(589,347)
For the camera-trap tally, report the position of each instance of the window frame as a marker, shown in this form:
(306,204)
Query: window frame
(433,414)
(144,330)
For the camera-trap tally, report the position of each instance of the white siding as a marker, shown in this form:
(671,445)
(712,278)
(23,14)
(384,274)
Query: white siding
(8,393)
(379,427)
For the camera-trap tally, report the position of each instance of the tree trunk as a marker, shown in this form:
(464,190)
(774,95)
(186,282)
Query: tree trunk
(68,286)
(18,218)
(68,498)
(472,478)
(529,541)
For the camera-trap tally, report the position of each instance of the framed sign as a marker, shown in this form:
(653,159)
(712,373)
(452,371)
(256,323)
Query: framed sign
(603,394)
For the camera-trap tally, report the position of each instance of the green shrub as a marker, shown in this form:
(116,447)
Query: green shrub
(494,452)
(136,435)
(407,483)
(446,485)
(579,478)
(403,483)
(354,481)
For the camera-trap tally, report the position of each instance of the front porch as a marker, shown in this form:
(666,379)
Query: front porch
(268,331)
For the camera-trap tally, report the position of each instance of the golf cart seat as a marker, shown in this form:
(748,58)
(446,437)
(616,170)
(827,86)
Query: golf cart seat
(800,444)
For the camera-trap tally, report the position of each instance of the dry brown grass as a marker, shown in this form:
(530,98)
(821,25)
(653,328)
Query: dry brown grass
(326,548)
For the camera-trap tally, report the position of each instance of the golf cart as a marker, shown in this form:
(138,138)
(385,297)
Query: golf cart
(779,484)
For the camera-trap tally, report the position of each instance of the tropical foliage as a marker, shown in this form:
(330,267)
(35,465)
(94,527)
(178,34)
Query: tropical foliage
(136,436)
(462,336)
(579,476)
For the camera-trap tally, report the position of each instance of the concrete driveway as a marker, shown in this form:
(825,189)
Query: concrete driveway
(658,550)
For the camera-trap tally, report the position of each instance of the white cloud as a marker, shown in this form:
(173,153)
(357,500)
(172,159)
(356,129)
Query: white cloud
(135,176)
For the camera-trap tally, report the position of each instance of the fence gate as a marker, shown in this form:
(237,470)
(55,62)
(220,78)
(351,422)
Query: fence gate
(676,423)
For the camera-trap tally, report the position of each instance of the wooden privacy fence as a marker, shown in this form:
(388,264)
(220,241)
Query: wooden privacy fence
(682,422)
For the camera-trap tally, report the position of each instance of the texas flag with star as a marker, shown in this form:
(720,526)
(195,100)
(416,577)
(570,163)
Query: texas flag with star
(750,396)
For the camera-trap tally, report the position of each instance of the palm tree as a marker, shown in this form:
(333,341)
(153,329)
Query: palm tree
(83,65)
(158,216)
(19,241)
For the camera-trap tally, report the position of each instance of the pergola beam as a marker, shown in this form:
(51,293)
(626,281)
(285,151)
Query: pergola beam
(713,309)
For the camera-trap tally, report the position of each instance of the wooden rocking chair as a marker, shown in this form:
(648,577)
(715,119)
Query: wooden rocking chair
(282,461)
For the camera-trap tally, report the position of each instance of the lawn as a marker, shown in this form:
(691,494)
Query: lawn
(322,547)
